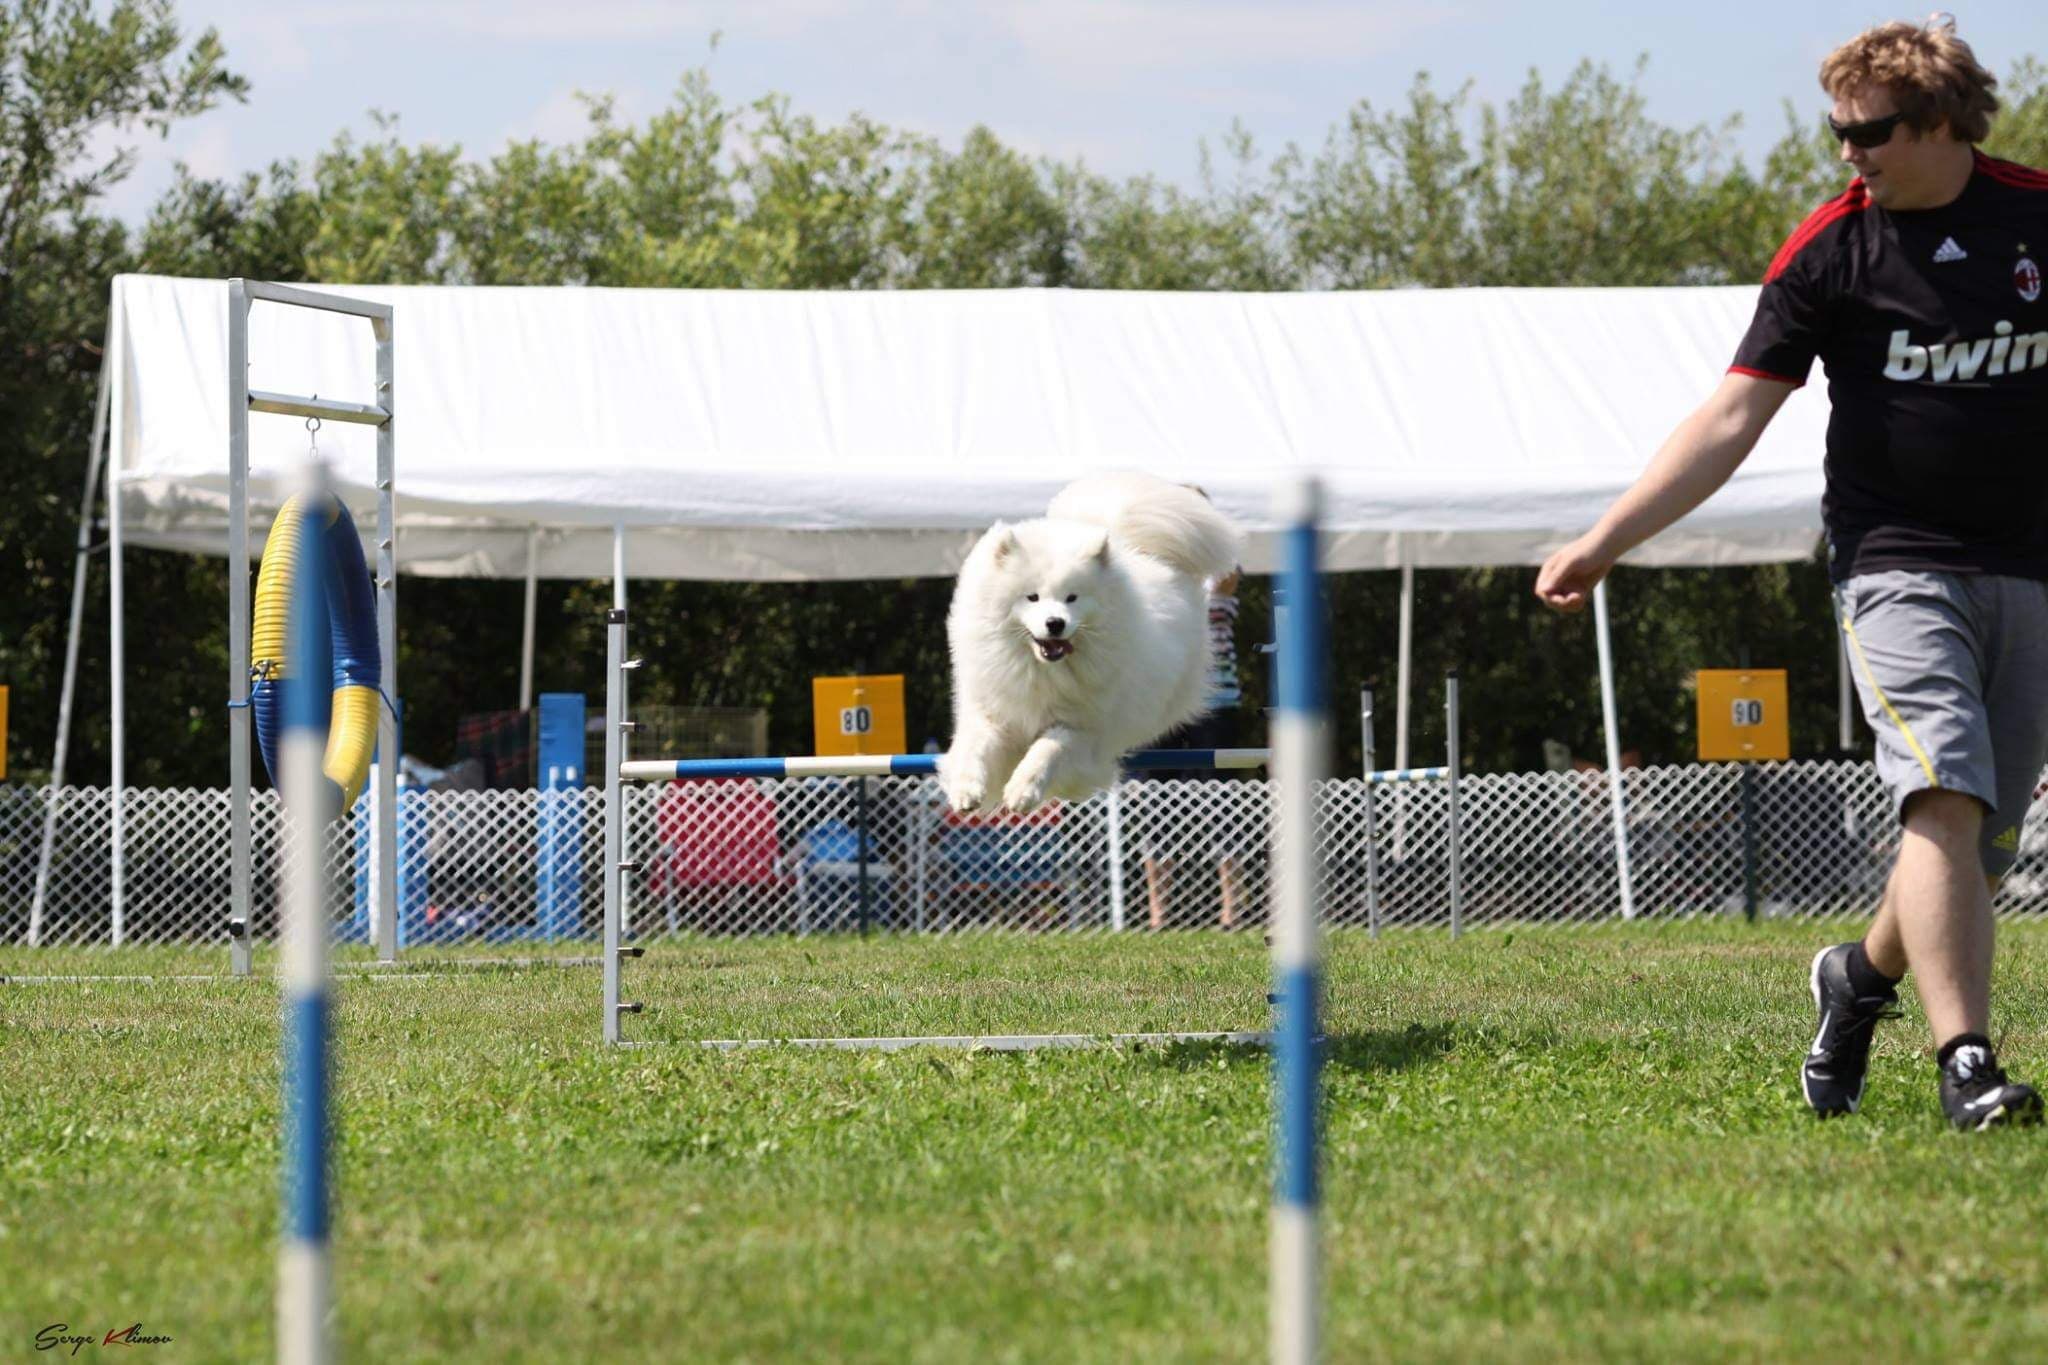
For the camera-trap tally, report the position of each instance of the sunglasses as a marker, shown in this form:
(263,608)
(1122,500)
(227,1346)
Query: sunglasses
(1867,134)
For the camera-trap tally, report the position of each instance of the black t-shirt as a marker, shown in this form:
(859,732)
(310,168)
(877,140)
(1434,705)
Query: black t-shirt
(1934,334)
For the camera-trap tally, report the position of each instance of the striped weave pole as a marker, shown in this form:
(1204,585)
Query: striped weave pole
(305,1286)
(908,765)
(1300,733)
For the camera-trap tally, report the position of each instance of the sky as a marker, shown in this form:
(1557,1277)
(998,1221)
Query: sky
(1126,86)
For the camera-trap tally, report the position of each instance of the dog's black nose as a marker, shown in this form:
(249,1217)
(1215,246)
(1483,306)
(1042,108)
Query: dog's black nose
(1055,625)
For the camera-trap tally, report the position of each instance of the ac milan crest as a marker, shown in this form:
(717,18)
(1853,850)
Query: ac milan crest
(2026,277)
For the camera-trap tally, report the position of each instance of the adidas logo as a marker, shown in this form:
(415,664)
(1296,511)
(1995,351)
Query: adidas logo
(1949,251)
(2008,842)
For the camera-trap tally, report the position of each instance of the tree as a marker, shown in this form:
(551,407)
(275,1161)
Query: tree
(1565,184)
(67,75)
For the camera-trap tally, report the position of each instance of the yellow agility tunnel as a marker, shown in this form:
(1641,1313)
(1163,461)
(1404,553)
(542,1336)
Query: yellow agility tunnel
(352,612)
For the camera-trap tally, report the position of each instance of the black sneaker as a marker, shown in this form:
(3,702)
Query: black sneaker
(1976,1095)
(1832,1074)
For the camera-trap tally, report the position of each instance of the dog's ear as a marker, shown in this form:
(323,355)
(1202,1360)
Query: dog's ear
(1101,550)
(1004,537)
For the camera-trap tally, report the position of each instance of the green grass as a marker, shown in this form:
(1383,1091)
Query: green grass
(1543,1145)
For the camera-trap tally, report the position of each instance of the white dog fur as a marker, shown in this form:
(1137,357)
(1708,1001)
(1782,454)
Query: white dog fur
(1078,637)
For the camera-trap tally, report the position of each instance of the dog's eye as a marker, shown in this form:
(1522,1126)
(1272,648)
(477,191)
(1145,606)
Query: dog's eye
(1070,596)
(1032,597)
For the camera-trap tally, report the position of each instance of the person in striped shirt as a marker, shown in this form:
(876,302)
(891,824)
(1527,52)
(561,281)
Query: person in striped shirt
(1173,834)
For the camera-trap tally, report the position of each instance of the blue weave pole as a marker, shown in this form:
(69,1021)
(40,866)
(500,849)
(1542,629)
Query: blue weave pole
(906,765)
(1299,740)
(304,1272)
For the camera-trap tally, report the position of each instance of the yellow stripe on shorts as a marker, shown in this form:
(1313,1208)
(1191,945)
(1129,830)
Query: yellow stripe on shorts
(1886,703)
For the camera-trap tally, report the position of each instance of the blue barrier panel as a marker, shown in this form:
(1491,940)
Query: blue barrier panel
(560,883)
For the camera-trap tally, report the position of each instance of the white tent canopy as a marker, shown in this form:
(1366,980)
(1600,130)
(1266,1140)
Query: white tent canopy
(789,436)
(784,436)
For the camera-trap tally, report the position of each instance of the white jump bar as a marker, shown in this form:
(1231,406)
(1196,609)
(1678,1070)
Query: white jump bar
(999,1042)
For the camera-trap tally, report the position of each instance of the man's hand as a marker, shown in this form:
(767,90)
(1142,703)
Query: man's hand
(1694,460)
(1567,578)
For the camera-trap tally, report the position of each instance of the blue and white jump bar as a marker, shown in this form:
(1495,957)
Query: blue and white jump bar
(305,1285)
(1300,738)
(907,765)
(925,765)
(1386,775)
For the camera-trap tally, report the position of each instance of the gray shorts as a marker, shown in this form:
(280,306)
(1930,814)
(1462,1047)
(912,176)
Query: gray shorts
(1953,673)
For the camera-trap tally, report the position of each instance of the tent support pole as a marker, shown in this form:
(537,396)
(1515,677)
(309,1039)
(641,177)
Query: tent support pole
(1406,660)
(1614,793)
(78,570)
(117,653)
(526,631)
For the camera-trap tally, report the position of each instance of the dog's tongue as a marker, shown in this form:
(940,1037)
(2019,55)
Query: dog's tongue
(1053,651)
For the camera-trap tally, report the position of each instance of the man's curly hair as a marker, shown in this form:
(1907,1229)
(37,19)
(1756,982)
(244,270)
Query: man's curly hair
(1929,72)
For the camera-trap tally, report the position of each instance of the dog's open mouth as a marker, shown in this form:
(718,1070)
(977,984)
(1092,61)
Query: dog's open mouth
(1052,650)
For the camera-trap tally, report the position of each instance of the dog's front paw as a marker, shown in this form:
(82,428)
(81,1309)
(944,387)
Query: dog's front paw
(1025,791)
(966,790)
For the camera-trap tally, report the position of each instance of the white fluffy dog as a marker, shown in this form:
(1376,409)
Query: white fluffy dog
(1079,637)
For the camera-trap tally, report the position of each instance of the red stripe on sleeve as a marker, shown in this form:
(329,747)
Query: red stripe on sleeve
(1766,374)
(1852,200)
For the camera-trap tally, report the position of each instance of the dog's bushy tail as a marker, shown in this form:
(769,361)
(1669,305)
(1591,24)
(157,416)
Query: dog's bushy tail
(1168,521)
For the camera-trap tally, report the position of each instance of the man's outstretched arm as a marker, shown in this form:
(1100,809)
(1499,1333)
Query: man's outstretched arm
(1695,459)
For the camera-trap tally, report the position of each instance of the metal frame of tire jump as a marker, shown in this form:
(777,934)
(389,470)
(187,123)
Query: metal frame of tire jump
(382,415)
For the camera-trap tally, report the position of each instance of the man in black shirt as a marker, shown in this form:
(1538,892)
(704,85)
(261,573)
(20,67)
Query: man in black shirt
(1919,289)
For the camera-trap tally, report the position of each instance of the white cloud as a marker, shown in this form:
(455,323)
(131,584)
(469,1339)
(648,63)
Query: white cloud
(209,149)
(563,118)
(1097,38)
(268,44)
(206,145)
(589,21)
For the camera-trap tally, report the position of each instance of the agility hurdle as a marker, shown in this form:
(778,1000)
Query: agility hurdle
(381,414)
(1448,773)
(905,765)
(620,769)
(1299,759)
(242,401)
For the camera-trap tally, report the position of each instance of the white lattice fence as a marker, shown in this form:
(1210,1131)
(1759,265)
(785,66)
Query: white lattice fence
(754,857)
